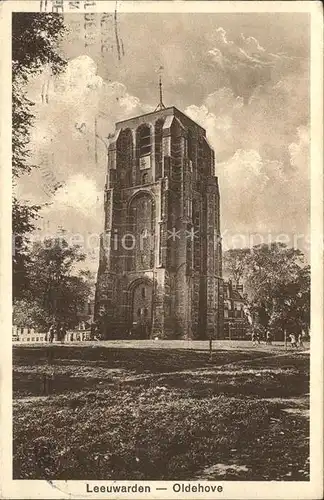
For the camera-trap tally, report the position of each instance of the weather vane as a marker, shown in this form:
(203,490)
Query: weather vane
(160,105)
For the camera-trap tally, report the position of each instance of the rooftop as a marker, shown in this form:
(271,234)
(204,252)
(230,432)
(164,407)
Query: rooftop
(161,112)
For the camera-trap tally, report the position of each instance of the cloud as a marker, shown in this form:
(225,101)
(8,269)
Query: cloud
(217,116)
(69,110)
(251,45)
(77,209)
(243,182)
(260,195)
(245,64)
(75,107)
(248,52)
(298,209)
(262,160)
(79,193)
(223,101)
(299,151)
(75,97)
(257,124)
(266,121)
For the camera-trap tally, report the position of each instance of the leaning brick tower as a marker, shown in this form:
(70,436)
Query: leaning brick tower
(160,269)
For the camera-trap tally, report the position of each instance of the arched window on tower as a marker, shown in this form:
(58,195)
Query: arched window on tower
(141,218)
(143,151)
(176,151)
(144,140)
(190,144)
(158,130)
(190,149)
(125,158)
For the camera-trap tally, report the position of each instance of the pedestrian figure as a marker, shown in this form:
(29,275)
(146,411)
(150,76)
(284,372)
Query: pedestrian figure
(268,337)
(258,338)
(293,342)
(300,341)
(51,333)
(62,333)
(253,338)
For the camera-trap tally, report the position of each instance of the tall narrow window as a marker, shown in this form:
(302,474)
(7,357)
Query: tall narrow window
(158,129)
(143,147)
(190,145)
(190,150)
(142,210)
(144,140)
(125,158)
(176,153)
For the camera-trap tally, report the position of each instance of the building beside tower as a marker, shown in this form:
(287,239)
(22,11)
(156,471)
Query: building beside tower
(160,269)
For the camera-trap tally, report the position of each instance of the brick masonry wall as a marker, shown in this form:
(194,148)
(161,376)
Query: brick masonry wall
(184,273)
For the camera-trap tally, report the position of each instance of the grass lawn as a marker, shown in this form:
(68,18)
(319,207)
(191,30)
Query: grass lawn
(161,410)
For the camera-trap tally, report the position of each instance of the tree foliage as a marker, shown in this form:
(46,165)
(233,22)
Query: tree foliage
(28,313)
(34,43)
(56,292)
(23,218)
(277,283)
(234,262)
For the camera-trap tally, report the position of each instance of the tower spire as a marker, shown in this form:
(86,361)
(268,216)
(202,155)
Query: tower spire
(160,105)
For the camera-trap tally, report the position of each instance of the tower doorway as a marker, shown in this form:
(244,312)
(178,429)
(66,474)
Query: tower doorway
(142,310)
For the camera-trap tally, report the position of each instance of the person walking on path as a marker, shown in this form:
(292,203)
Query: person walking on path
(293,343)
(51,333)
(300,341)
(62,333)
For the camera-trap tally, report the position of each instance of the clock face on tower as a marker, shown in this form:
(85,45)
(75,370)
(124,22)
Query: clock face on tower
(145,162)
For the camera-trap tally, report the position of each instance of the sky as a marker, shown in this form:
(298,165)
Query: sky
(244,77)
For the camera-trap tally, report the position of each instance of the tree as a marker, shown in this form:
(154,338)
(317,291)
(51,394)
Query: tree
(28,313)
(277,283)
(291,305)
(34,43)
(234,262)
(55,286)
(23,218)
